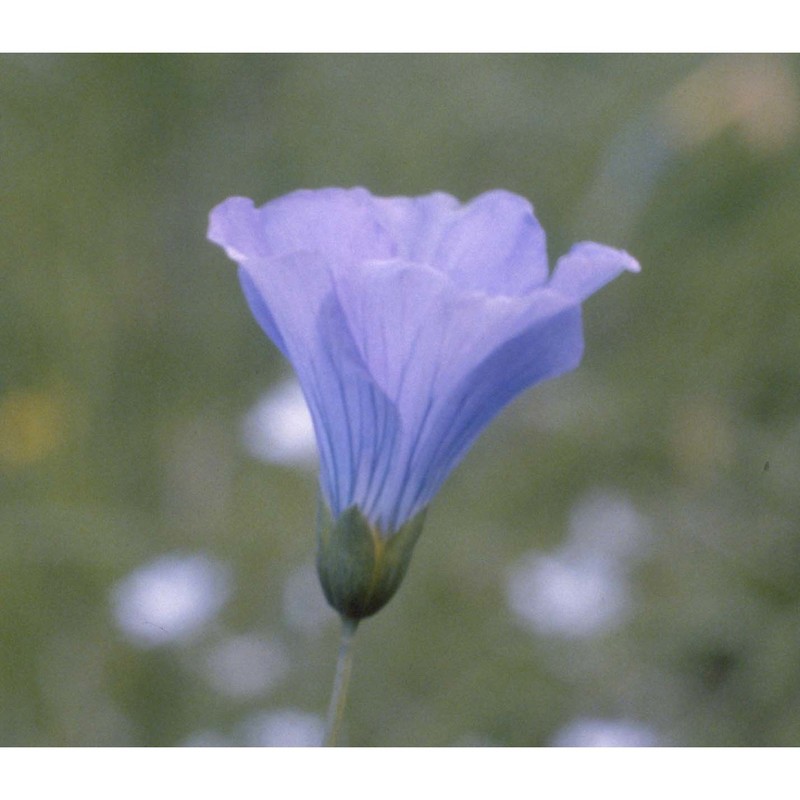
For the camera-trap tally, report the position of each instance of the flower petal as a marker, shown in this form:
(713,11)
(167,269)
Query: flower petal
(588,267)
(417,224)
(260,311)
(361,424)
(401,348)
(547,344)
(341,223)
(234,226)
(354,422)
(448,360)
(495,244)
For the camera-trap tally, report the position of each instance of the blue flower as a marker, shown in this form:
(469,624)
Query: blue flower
(410,322)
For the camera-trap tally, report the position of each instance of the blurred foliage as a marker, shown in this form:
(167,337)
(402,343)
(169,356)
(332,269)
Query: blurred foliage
(128,358)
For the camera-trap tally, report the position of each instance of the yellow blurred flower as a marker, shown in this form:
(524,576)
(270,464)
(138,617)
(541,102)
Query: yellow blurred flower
(31,426)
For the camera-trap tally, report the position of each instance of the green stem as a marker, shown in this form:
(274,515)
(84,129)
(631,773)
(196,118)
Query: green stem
(340,682)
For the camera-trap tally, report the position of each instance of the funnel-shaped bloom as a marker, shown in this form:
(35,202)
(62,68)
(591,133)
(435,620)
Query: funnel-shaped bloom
(410,323)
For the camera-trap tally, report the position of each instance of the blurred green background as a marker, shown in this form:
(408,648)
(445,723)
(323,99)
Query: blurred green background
(617,561)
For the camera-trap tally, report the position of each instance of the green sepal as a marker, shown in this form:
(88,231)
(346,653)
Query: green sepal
(360,570)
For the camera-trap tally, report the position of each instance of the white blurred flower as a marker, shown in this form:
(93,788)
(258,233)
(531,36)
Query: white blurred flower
(278,428)
(246,666)
(284,728)
(571,598)
(582,589)
(587,732)
(170,599)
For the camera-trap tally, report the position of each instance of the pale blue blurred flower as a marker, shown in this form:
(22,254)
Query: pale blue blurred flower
(287,727)
(567,596)
(594,732)
(246,666)
(410,323)
(278,428)
(582,589)
(171,598)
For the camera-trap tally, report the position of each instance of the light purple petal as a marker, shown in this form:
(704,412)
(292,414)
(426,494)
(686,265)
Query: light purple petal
(495,244)
(234,226)
(417,224)
(354,422)
(548,344)
(448,360)
(359,421)
(260,310)
(339,223)
(588,267)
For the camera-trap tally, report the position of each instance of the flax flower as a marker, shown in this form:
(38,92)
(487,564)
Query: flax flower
(410,323)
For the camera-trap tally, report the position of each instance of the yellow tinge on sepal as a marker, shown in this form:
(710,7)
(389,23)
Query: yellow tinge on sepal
(360,570)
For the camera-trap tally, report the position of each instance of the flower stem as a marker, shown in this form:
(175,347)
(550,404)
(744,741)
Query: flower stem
(340,682)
